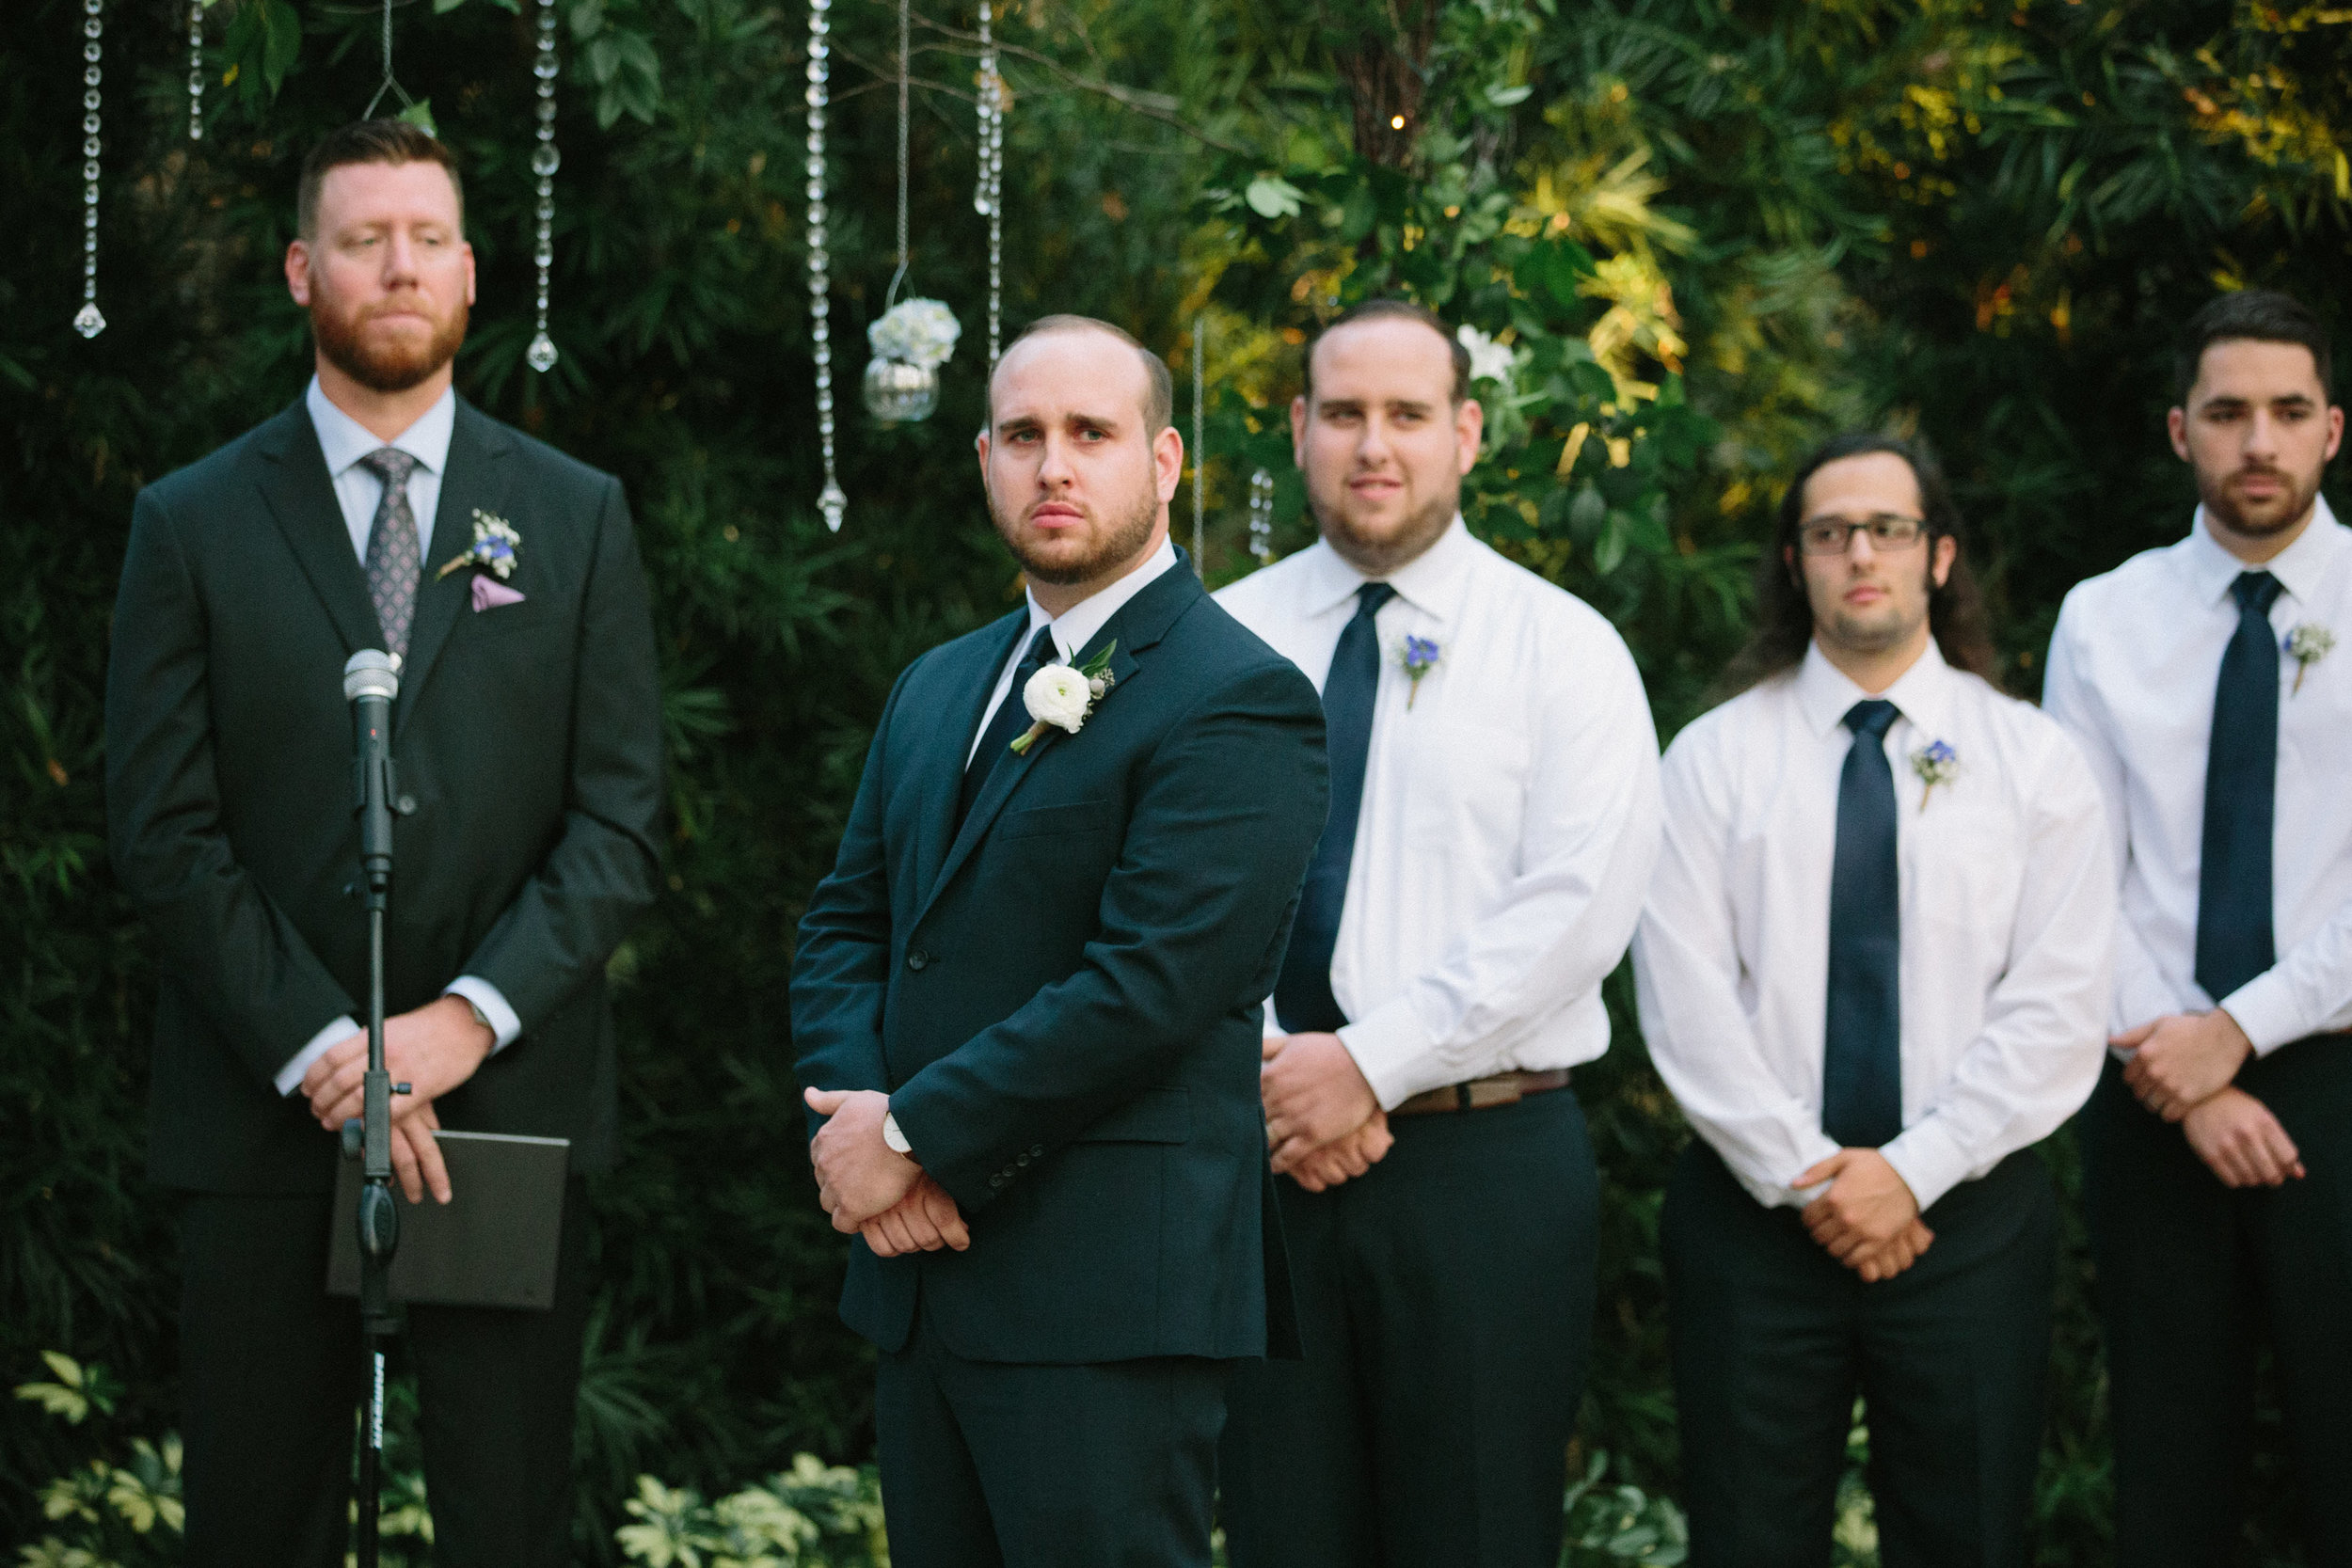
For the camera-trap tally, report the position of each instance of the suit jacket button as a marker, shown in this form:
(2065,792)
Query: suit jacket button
(998,1180)
(917,958)
(1023,1161)
(1038,1152)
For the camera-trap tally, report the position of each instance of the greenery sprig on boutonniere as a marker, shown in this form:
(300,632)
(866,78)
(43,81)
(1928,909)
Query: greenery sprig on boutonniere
(1418,656)
(2307,645)
(1935,762)
(1060,697)
(495,550)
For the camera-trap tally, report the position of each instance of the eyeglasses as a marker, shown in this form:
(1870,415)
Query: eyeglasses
(1834,535)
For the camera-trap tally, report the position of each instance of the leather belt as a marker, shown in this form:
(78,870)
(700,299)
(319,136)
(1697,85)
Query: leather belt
(1479,1094)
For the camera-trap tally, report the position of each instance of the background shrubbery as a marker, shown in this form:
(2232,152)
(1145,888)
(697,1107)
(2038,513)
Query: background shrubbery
(1711,231)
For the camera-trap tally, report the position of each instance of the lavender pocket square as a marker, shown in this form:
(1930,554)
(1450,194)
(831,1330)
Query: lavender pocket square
(488,593)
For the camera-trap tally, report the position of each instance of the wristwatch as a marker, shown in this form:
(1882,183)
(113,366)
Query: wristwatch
(896,1139)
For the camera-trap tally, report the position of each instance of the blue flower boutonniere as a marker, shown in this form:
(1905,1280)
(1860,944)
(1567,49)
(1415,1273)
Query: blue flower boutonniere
(495,550)
(1935,762)
(2307,645)
(1418,656)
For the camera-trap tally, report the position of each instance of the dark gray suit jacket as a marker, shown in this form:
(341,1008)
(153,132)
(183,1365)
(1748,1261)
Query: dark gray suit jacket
(528,735)
(1062,997)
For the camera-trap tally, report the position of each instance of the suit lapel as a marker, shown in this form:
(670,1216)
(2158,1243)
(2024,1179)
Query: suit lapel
(477,480)
(942,782)
(1139,624)
(300,495)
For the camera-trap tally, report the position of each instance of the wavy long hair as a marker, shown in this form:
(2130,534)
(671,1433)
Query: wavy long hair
(1784,615)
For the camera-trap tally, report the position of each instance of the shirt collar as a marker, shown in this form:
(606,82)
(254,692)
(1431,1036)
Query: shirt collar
(1075,627)
(346,440)
(1923,694)
(2298,568)
(1429,582)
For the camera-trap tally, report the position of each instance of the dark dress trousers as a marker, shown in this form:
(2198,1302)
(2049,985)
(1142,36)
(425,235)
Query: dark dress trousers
(1061,996)
(2194,1279)
(1773,1339)
(529,737)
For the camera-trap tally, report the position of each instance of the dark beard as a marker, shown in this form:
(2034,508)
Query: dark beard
(1377,558)
(1125,541)
(2215,493)
(383,370)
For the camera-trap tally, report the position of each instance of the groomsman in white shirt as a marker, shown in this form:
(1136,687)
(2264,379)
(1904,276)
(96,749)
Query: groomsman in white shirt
(1873,969)
(1493,821)
(2199,680)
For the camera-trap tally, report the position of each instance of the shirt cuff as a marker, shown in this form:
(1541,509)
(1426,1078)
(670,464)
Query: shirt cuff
(2264,1008)
(1387,1045)
(1928,1160)
(290,1076)
(503,1024)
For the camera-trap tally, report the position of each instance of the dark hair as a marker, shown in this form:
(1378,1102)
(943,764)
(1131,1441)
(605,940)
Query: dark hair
(1159,395)
(370,141)
(2261,315)
(1784,614)
(1401,309)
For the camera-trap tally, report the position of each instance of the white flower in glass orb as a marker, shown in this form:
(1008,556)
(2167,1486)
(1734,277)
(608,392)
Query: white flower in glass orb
(1489,360)
(921,332)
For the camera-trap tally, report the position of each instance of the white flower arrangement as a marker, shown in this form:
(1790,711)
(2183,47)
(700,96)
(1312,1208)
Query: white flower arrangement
(1489,360)
(1060,697)
(921,332)
(2307,645)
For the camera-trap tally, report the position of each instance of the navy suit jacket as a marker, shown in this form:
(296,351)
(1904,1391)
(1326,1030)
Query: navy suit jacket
(1062,995)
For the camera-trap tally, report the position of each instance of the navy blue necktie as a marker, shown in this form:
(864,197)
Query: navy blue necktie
(1862,1066)
(1011,719)
(2234,934)
(1302,992)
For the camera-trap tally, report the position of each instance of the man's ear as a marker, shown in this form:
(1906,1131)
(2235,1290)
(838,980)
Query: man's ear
(2176,426)
(1469,429)
(1167,460)
(1788,560)
(299,271)
(1946,551)
(1298,433)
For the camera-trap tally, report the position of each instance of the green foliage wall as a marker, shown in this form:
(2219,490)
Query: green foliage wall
(1981,221)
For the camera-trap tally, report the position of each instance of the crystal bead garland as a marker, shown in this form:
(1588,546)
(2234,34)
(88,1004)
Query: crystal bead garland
(989,198)
(88,322)
(195,69)
(1262,515)
(832,502)
(544,160)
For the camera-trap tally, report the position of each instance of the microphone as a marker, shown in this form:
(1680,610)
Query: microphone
(371,681)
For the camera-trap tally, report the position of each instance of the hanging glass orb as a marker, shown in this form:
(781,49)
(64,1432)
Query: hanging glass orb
(897,393)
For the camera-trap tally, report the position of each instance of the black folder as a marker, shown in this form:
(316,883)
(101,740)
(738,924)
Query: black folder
(492,1245)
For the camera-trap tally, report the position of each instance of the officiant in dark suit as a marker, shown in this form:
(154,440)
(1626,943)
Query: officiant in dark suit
(379,510)
(1025,1006)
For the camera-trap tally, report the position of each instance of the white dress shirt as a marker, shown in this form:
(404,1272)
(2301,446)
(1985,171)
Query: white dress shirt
(1509,818)
(2007,915)
(1073,628)
(2132,666)
(345,441)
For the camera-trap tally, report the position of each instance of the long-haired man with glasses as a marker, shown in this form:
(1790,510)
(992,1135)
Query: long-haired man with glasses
(1873,969)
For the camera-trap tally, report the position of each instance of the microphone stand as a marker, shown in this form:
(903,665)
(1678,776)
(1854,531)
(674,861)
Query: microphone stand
(371,681)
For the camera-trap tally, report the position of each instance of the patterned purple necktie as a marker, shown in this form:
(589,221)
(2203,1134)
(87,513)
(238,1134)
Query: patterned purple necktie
(395,561)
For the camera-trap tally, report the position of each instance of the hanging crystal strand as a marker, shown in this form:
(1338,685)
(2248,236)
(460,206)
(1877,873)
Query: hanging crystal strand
(1262,515)
(832,502)
(195,69)
(87,321)
(989,199)
(544,160)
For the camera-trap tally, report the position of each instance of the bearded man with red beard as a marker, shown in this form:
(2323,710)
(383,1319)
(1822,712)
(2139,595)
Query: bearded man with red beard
(379,510)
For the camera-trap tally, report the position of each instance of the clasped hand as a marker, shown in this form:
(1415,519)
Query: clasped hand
(871,1189)
(1868,1219)
(1324,1124)
(433,1050)
(2182,1060)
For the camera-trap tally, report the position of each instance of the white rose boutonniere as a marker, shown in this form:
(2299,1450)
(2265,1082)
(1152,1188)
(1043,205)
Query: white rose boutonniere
(2307,645)
(1059,697)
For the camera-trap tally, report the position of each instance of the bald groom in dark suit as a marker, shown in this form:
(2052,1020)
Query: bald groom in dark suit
(1027,1006)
